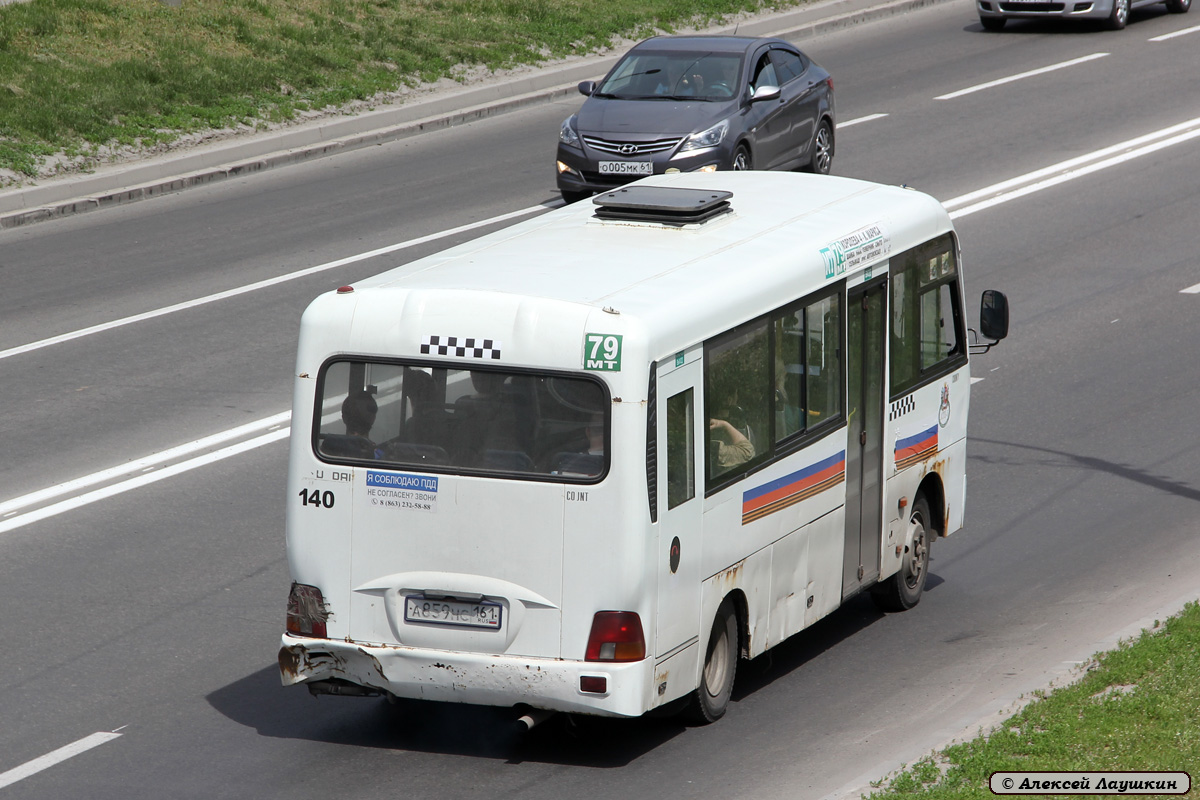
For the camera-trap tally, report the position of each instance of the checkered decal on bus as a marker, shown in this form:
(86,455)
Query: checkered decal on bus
(902,407)
(461,347)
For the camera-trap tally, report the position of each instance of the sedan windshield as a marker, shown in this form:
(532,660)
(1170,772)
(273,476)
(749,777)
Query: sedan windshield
(658,75)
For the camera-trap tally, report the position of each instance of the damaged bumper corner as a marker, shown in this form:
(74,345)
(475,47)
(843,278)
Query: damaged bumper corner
(338,667)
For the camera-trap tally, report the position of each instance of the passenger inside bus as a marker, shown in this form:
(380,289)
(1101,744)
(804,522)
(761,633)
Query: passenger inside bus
(494,424)
(358,415)
(428,422)
(426,430)
(732,446)
(590,461)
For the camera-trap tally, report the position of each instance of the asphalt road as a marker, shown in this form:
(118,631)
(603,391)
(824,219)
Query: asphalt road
(155,612)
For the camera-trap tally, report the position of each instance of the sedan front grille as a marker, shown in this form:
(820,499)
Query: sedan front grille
(1032,8)
(629,149)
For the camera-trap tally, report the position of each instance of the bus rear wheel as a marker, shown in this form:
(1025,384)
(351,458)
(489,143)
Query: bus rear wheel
(903,590)
(711,698)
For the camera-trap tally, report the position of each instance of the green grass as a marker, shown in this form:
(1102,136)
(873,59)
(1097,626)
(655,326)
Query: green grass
(1137,708)
(76,75)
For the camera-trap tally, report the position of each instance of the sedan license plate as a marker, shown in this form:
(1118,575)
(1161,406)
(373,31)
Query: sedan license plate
(452,612)
(626,167)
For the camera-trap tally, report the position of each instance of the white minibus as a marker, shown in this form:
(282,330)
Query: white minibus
(588,462)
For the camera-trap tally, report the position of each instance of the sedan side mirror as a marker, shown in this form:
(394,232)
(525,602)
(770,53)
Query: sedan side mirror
(764,93)
(586,88)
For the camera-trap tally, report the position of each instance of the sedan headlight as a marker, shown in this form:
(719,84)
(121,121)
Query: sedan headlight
(567,134)
(705,139)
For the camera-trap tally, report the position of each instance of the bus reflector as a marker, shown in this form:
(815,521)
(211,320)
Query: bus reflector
(593,684)
(616,636)
(306,611)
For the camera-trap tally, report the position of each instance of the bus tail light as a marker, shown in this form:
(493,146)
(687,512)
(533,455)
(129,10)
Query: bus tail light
(616,636)
(306,612)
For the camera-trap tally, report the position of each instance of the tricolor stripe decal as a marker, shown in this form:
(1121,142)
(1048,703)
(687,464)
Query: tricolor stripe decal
(791,489)
(917,447)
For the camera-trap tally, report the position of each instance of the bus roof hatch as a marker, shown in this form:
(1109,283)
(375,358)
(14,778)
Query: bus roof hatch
(668,205)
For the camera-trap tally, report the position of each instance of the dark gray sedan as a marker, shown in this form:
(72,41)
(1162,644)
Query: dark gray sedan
(698,103)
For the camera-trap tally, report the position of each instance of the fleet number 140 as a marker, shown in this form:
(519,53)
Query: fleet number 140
(316,498)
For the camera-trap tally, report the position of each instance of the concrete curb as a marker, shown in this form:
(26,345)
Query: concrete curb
(205,164)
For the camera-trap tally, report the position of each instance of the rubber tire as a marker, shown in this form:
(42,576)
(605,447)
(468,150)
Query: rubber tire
(1119,17)
(574,197)
(902,591)
(710,700)
(822,144)
(741,159)
(992,24)
(1179,6)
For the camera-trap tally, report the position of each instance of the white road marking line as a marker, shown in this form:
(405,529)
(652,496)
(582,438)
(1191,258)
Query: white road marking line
(145,479)
(146,464)
(1173,34)
(1022,76)
(50,759)
(975,381)
(868,118)
(1191,289)
(303,273)
(1066,170)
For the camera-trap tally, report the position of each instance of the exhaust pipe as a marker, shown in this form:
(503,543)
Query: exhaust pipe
(531,718)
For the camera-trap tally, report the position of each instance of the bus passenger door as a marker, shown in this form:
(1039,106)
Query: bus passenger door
(865,342)
(680,498)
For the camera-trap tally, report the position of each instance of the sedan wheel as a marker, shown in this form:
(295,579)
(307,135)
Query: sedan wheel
(741,160)
(1119,16)
(1178,6)
(822,150)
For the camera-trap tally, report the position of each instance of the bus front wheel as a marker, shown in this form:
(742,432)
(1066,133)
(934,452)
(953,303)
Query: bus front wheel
(711,698)
(903,590)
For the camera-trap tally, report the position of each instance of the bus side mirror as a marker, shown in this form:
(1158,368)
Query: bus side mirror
(993,314)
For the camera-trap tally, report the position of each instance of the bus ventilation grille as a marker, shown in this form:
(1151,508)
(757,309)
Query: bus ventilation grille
(667,205)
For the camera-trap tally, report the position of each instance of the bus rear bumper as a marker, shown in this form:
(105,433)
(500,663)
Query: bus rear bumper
(339,667)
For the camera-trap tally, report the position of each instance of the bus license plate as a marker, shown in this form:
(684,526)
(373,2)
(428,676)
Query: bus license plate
(626,167)
(452,612)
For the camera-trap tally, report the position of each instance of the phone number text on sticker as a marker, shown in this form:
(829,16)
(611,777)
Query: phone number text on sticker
(402,492)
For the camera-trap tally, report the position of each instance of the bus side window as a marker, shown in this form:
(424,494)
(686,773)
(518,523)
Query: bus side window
(808,376)
(737,399)
(927,326)
(938,339)
(789,374)
(823,372)
(681,449)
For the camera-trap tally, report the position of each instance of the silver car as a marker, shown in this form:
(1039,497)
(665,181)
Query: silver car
(688,103)
(1113,13)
